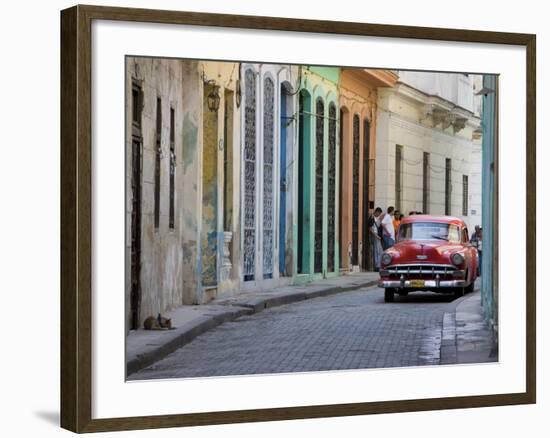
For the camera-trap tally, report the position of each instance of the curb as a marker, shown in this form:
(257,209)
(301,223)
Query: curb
(260,303)
(186,333)
(181,336)
(449,353)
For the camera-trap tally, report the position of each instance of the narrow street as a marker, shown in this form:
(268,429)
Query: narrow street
(351,330)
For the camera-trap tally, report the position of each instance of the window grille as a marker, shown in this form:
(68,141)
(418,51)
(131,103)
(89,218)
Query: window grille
(319,169)
(398,176)
(249,238)
(268,119)
(171,212)
(426,183)
(464,195)
(158,150)
(331,213)
(448,186)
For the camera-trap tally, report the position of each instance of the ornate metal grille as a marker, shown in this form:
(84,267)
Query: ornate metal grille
(249,238)
(319,169)
(268,103)
(331,214)
(398,175)
(158,152)
(426,183)
(355,207)
(171,211)
(464,195)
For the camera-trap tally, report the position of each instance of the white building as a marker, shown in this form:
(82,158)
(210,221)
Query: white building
(428,145)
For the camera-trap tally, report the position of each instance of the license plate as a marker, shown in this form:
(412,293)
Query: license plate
(417,283)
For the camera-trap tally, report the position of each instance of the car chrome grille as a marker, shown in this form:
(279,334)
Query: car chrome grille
(429,271)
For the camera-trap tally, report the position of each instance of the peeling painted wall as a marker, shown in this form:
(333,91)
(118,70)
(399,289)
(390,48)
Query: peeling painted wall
(209,234)
(167,254)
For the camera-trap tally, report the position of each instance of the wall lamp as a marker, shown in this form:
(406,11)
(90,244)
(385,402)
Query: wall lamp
(213,97)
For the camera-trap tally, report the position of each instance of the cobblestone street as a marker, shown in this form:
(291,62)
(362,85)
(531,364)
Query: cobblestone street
(350,330)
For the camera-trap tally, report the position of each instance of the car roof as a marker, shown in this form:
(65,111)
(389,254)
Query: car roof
(433,218)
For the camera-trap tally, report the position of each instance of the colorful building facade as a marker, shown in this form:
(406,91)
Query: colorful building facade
(183,128)
(316,174)
(358,91)
(268,152)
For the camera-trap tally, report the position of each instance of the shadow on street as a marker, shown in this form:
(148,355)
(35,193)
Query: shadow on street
(423,297)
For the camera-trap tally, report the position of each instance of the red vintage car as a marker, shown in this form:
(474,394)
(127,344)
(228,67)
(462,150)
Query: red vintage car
(430,253)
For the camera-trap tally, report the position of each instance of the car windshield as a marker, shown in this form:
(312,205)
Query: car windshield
(428,231)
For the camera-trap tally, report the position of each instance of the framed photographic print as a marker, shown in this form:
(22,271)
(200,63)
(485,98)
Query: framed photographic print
(270,218)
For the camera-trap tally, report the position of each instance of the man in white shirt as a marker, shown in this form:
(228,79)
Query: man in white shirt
(388,232)
(374,237)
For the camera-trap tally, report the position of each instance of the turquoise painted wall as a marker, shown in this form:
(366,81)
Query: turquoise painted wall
(488,211)
(330,73)
(318,83)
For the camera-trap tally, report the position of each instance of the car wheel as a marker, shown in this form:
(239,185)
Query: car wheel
(459,292)
(403,293)
(389,295)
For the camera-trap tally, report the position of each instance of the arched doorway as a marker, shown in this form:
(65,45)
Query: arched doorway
(366,253)
(355,193)
(304,182)
(319,184)
(331,198)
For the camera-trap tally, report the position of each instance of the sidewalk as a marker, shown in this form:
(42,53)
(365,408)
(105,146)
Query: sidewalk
(144,347)
(466,336)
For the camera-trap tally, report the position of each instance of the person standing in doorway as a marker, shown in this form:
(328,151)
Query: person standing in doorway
(388,232)
(396,221)
(375,239)
(477,241)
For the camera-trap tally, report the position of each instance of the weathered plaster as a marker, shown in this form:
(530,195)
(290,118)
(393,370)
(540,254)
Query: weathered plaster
(190,134)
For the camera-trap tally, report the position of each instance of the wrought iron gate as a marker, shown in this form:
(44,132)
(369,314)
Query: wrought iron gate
(267,242)
(331,213)
(319,169)
(249,155)
(282,185)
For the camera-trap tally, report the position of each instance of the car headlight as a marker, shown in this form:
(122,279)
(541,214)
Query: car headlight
(457,259)
(386,258)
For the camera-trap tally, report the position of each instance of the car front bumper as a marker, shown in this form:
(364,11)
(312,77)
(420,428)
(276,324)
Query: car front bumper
(414,284)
